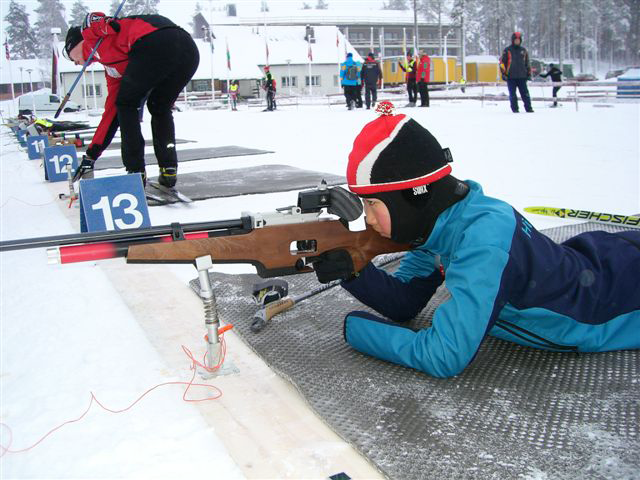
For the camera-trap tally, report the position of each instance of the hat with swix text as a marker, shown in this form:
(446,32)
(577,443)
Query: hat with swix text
(394,152)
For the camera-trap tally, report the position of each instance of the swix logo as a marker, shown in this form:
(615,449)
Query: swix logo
(420,190)
(526,227)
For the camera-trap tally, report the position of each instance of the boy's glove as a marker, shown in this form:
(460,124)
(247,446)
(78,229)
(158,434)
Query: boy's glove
(333,265)
(85,169)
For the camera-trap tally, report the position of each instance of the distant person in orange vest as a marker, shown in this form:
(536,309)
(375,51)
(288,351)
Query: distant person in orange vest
(410,75)
(422,76)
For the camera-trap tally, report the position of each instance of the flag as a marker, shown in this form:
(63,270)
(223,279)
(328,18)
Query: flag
(228,57)
(211,37)
(54,67)
(6,49)
(266,46)
(337,38)
(310,53)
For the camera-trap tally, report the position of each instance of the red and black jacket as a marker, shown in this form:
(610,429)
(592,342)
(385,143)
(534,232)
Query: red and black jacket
(119,36)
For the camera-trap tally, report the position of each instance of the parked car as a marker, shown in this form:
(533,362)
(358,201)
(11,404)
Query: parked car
(615,73)
(585,77)
(43,101)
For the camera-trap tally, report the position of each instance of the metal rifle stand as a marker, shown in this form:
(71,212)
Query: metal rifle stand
(72,192)
(211,321)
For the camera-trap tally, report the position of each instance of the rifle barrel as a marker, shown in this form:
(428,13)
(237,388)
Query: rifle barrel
(130,235)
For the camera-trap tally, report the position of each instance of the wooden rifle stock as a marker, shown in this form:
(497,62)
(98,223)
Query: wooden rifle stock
(269,249)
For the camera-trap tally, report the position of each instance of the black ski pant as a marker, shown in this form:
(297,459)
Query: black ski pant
(271,100)
(423,88)
(370,94)
(555,95)
(521,85)
(160,65)
(359,96)
(351,95)
(412,89)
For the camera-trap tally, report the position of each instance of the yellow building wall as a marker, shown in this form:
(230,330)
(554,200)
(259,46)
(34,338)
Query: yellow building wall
(388,76)
(439,72)
(483,72)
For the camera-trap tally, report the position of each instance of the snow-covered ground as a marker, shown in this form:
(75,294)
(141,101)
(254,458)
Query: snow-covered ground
(70,330)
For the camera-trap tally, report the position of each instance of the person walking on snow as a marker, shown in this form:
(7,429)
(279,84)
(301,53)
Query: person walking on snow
(409,67)
(269,84)
(233,92)
(144,57)
(515,68)
(372,79)
(349,78)
(556,76)
(505,279)
(423,73)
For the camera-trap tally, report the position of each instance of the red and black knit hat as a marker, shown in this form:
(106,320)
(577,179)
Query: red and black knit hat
(394,152)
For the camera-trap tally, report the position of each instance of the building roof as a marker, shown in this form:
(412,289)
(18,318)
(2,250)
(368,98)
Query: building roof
(10,70)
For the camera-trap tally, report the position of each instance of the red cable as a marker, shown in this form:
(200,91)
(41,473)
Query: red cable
(189,384)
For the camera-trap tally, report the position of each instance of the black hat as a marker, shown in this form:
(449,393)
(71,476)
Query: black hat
(400,162)
(74,37)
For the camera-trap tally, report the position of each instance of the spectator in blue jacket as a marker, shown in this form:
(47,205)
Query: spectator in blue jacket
(505,278)
(350,80)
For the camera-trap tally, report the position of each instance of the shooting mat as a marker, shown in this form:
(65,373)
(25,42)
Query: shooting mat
(185,155)
(515,412)
(245,181)
(147,143)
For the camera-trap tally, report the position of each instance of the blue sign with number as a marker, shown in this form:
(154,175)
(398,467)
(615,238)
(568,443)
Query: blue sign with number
(56,160)
(22,137)
(113,203)
(36,145)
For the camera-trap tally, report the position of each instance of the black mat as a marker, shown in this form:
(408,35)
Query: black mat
(186,155)
(515,412)
(246,181)
(148,143)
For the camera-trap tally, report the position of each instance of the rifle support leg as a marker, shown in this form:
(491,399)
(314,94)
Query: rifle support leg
(212,323)
(72,192)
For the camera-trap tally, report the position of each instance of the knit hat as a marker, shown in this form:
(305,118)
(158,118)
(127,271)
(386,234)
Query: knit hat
(394,152)
(516,35)
(74,37)
(398,161)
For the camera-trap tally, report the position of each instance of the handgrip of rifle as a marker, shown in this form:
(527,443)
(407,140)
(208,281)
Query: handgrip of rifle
(268,312)
(62,104)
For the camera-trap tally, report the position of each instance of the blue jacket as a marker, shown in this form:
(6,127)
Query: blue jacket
(344,67)
(506,280)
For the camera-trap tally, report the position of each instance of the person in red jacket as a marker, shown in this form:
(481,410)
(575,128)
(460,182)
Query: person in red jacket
(422,77)
(144,57)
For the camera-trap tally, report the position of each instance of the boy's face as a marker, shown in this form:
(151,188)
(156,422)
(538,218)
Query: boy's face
(377,215)
(76,54)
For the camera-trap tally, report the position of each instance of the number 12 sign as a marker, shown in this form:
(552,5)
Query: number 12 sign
(56,160)
(113,203)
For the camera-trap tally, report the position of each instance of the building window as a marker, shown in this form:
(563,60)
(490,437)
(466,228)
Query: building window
(394,67)
(200,85)
(285,81)
(315,80)
(336,80)
(89,91)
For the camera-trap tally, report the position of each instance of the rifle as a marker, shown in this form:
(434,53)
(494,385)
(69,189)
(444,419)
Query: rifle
(283,242)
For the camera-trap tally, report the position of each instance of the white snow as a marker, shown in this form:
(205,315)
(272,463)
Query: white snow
(67,331)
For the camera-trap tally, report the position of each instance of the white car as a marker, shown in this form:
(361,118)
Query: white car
(43,101)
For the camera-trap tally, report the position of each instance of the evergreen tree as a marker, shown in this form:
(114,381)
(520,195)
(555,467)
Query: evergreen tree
(306,6)
(322,5)
(395,5)
(21,37)
(78,12)
(50,15)
(140,7)
(263,6)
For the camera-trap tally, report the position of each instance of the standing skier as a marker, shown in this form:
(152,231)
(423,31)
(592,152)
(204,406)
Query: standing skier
(269,84)
(556,76)
(516,70)
(505,278)
(371,78)
(409,67)
(144,56)
(423,76)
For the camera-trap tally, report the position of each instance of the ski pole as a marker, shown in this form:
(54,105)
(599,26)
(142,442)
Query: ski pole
(84,67)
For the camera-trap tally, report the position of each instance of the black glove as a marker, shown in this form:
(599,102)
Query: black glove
(333,265)
(85,169)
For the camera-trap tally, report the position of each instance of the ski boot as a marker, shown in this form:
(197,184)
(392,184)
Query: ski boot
(168,176)
(85,169)
(143,174)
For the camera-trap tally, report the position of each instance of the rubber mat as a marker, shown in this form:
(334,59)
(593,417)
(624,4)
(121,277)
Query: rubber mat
(186,155)
(148,143)
(515,412)
(245,181)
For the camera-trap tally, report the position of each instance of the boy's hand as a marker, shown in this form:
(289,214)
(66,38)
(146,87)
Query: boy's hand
(333,265)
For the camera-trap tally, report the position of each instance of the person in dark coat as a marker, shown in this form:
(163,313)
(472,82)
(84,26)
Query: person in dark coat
(371,78)
(556,76)
(144,57)
(269,85)
(516,70)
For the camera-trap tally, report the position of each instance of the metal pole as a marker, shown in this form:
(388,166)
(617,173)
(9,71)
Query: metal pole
(33,99)
(84,90)
(93,81)
(21,81)
(416,39)
(289,75)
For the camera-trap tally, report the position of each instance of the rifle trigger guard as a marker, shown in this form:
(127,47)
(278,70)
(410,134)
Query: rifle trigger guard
(177,233)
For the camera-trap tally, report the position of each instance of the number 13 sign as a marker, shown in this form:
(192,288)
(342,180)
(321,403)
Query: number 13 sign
(113,203)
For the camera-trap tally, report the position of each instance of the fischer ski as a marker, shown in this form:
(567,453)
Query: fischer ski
(172,192)
(631,221)
(156,198)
